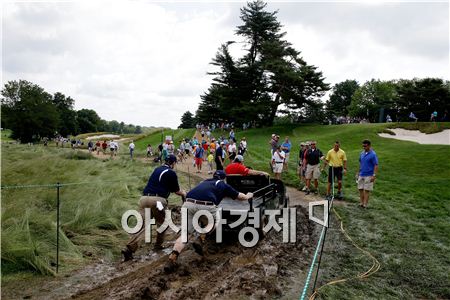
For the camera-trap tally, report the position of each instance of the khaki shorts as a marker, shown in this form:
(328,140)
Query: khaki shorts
(278,167)
(312,171)
(364,183)
(192,208)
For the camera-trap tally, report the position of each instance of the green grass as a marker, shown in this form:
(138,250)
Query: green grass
(90,212)
(6,135)
(407,224)
(155,138)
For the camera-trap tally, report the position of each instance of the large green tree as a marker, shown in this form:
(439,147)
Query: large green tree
(28,111)
(371,97)
(187,120)
(68,124)
(341,97)
(270,73)
(88,120)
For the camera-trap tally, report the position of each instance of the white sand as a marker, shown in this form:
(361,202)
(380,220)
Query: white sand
(440,138)
(103,136)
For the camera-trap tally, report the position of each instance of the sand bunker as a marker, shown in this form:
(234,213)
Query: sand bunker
(103,136)
(440,138)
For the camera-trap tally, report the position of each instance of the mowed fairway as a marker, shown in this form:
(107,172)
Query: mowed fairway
(407,225)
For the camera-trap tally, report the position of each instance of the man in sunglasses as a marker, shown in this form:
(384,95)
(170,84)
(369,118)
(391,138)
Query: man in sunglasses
(368,169)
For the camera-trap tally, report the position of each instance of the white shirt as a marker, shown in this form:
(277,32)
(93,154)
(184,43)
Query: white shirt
(231,148)
(278,157)
(131,146)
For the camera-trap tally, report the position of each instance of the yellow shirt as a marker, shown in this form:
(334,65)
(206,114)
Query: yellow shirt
(336,159)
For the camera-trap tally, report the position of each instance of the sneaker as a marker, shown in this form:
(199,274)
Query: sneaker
(316,192)
(307,192)
(304,188)
(127,254)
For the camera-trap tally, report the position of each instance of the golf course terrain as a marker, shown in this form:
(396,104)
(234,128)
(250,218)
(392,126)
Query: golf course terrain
(406,227)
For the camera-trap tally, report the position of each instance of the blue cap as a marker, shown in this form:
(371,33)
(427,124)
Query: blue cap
(219,174)
(170,159)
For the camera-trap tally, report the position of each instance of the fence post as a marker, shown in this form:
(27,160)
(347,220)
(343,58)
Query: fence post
(57,226)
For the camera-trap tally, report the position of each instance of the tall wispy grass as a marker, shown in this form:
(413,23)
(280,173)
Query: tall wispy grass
(90,212)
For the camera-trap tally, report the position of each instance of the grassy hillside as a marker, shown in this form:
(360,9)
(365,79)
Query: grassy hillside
(155,138)
(90,212)
(406,226)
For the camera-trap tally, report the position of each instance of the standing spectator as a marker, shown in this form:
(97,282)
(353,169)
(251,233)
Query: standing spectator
(149,151)
(199,158)
(434,116)
(219,157)
(210,163)
(170,148)
(286,148)
(232,137)
(300,169)
(388,119)
(205,147)
(104,146)
(337,160)
(278,162)
(232,151)
(131,148)
(90,146)
(368,169)
(98,146)
(112,148)
(312,164)
(242,146)
(116,148)
(412,116)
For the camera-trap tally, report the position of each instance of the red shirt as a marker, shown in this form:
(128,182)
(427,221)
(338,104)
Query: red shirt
(237,169)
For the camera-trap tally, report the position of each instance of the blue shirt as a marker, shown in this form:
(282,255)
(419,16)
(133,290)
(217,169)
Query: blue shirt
(199,152)
(287,146)
(162,182)
(212,190)
(367,163)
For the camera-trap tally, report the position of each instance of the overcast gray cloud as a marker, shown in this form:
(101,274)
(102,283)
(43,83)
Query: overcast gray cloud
(146,63)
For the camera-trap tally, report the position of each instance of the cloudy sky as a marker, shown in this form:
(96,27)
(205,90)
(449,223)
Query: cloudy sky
(145,62)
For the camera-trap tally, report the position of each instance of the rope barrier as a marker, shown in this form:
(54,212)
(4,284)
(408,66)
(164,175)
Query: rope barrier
(55,185)
(322,238)
(376,265)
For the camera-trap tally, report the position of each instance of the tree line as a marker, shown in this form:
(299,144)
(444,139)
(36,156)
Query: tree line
(32,113)
(375,99)
(272,82)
